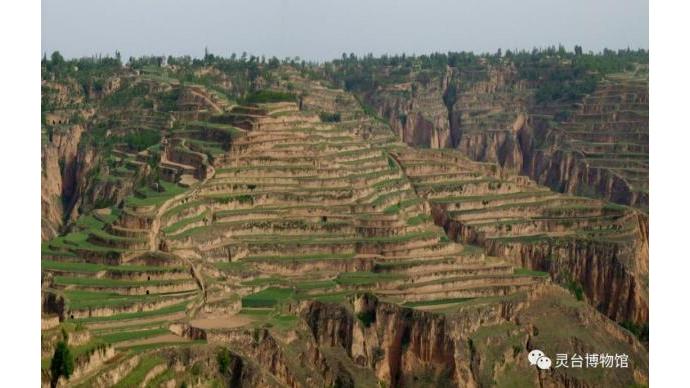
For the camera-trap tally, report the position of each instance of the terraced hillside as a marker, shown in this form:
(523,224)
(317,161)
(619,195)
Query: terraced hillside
(584,243)
(603,147)
(576,123)
(291,239)
(98,146)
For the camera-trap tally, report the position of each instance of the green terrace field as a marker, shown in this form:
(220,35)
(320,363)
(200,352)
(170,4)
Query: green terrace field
(268,297)
(147,196)
(162,312)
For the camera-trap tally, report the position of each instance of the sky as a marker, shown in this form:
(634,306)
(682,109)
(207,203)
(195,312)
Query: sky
(320,30)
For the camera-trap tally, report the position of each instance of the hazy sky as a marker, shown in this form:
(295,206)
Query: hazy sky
(323,29)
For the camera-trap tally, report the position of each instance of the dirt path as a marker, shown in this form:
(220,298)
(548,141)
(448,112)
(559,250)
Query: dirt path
(154,232)
(221,322)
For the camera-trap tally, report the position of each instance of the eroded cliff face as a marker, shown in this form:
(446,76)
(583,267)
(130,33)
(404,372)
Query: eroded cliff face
(258,356)
(491,110)
(417,111)
(480,112)
(59,170)
(75,179)
(241,372)
(500,146)
(366,342)
(475,346)
(93,191)
(532,147)
(400,345)
(548,160)
(613,275)
(477,111)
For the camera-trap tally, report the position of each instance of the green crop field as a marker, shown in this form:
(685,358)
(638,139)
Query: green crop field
(132,335)
(268,297)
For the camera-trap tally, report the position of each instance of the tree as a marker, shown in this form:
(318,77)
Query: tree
(578,50)
(273,63)
(223,358)
(62,363)
(56,58)
(450,96)
(561,51)
(56,61)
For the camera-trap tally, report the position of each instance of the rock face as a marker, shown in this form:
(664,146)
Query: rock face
(500,147)
(59,172)
(600,151)
(410,342)
(609,285)
(417,111)
(612,275)
(479,345)
(416,348)
(69,180)
(461,109)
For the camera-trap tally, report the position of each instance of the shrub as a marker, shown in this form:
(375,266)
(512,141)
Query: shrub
(450,96)
(378,354)
(104,202)
(640,331)
(424,78)
(126,96)
(197,368)
(576,288)
(168,100)
(393,209)
(403,119)
(265,96)
(405,339)
(391,163)
(330,117)
(563,85)
(141,140)
(223,358)
(245,198)
(62,363)
(367,317)
(563,116)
